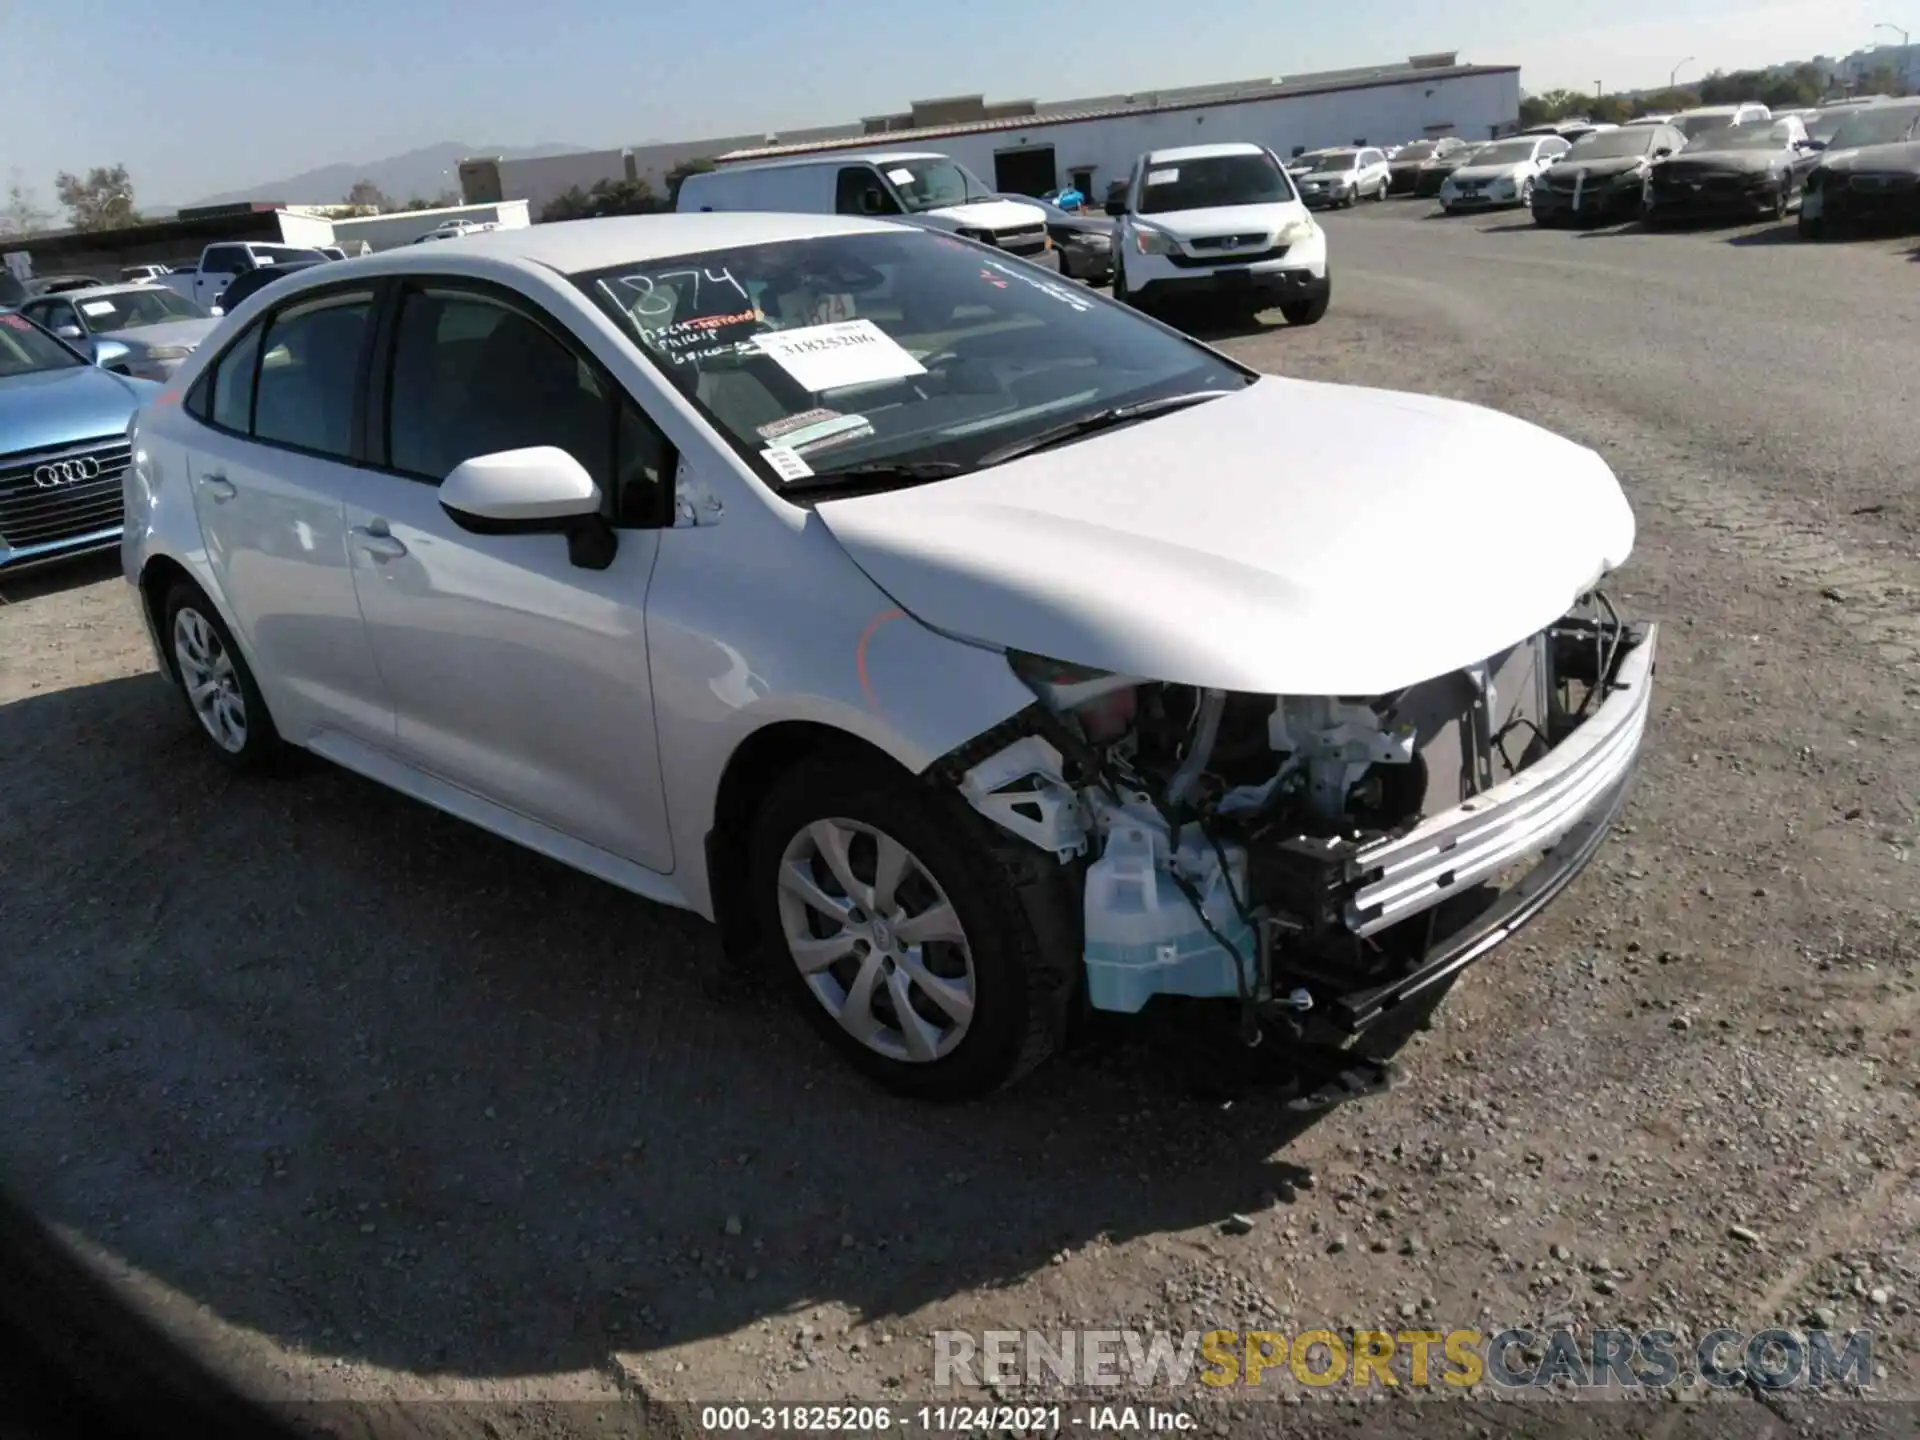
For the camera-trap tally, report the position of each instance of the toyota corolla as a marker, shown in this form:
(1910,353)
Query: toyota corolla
(970,647)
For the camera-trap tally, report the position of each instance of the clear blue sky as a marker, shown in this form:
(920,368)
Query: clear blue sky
(214,95)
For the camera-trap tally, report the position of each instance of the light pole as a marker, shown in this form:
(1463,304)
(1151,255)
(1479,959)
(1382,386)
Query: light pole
(1906,46)
(1673,75)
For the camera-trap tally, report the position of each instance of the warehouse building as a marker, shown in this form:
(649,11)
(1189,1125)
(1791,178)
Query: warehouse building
(179,241)
(1033,146)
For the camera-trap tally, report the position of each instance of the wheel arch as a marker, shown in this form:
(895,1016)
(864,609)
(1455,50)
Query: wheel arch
(157,578)
(754,767)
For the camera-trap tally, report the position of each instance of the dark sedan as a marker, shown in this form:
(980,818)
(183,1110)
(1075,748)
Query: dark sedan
(1742,170)
(1084,242)
(1601,177)
(1416,164)
(1870,173)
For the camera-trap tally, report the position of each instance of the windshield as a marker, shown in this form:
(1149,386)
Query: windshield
(1739,137)
(131,309)
(1612,144)
(1418,150)
(934,184)
(1874,125)
(1507,152)
(26,349)
(1213,180)
(813,356)
(1333,160)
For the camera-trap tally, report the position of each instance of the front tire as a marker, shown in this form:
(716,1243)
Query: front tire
(216,684)
(900,920)
(1811,227)
(1526,193)
(1309,311)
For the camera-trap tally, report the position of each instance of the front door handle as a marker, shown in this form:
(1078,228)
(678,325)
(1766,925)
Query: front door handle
(218,486)
(375,540)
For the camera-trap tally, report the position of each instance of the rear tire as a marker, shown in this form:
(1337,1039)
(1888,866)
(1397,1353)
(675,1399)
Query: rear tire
(1811,227)
(950,936)
(216,685)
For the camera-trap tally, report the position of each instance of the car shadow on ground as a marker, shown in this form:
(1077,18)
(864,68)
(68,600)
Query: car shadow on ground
(54,579)
(379,1086)
(1787,233)
(1215,326)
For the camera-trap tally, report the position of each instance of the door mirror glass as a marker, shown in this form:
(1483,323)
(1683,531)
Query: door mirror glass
(109,354)
(69,332)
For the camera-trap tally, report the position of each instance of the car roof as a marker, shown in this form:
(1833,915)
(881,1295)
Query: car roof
(1203,152)
(573,247)
(1718,109)
(130,287)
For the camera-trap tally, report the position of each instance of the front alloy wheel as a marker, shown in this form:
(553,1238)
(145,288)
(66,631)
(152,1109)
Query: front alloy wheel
(876,940)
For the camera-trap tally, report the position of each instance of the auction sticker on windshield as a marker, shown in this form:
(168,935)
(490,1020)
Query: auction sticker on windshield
(1162,177)
(786,462)
(826,357)
(96,307)
(814,428)
(902,176)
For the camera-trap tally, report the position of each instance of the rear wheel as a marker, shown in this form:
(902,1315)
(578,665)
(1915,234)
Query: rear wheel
(1783,198)
(217,685)
(898,918)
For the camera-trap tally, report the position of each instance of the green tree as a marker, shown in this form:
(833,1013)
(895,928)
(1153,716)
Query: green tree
(365,192)
(22,214)
(102,201)
(607,197)
(678,174)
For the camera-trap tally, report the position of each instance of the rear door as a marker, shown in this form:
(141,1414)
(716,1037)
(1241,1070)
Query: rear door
(272,455)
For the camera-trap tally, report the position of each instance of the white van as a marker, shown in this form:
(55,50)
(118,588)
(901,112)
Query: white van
(1219,220)
(917,186)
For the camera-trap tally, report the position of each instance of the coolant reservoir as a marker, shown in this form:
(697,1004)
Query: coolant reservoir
(1142,935)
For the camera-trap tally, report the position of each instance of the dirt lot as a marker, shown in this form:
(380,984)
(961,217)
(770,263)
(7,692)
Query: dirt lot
(369,1104)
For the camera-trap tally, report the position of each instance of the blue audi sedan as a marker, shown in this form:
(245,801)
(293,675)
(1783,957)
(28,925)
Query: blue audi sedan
(63,445)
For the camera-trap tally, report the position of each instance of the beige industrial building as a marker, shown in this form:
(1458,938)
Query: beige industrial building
(1035,145)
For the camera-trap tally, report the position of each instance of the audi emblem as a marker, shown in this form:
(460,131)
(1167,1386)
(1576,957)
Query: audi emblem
(66,472)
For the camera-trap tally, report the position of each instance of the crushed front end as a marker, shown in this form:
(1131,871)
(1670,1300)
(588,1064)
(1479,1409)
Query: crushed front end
(1318,859)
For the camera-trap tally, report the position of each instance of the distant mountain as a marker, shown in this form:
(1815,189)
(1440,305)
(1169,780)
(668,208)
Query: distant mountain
(425,173)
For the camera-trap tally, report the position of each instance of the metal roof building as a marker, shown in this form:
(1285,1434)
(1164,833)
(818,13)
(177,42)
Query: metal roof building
(1035,145)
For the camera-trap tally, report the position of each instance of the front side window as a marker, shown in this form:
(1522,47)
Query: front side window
(309,373)
(815,356)
(858,191)
(473,376)
(1508,152)
(1250,179)
(26,349)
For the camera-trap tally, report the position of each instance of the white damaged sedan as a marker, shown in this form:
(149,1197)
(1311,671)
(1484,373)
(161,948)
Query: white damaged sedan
(971,648)
(1500,174)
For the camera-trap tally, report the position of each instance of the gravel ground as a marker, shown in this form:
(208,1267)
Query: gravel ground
(371,1105)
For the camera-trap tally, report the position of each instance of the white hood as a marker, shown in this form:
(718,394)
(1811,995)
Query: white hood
(1224,220)
(992,214)
(1293,538)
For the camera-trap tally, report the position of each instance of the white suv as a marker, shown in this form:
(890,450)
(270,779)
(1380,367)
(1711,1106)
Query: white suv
(1341,177)
(1222,221)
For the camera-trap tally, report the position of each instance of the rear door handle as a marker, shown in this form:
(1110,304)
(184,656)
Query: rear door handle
(375,540)
(218,486)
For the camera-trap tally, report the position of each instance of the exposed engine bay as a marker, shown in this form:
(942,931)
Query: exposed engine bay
(1301,854)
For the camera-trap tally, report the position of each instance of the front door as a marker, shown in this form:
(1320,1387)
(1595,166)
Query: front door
(268,466)
(516,675)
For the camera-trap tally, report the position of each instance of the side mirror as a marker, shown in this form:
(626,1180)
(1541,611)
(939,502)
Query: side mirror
(1812,144)
(70,332)
(110,354)
(1116,208)
(1662,152)
(541,490)
(872,202)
